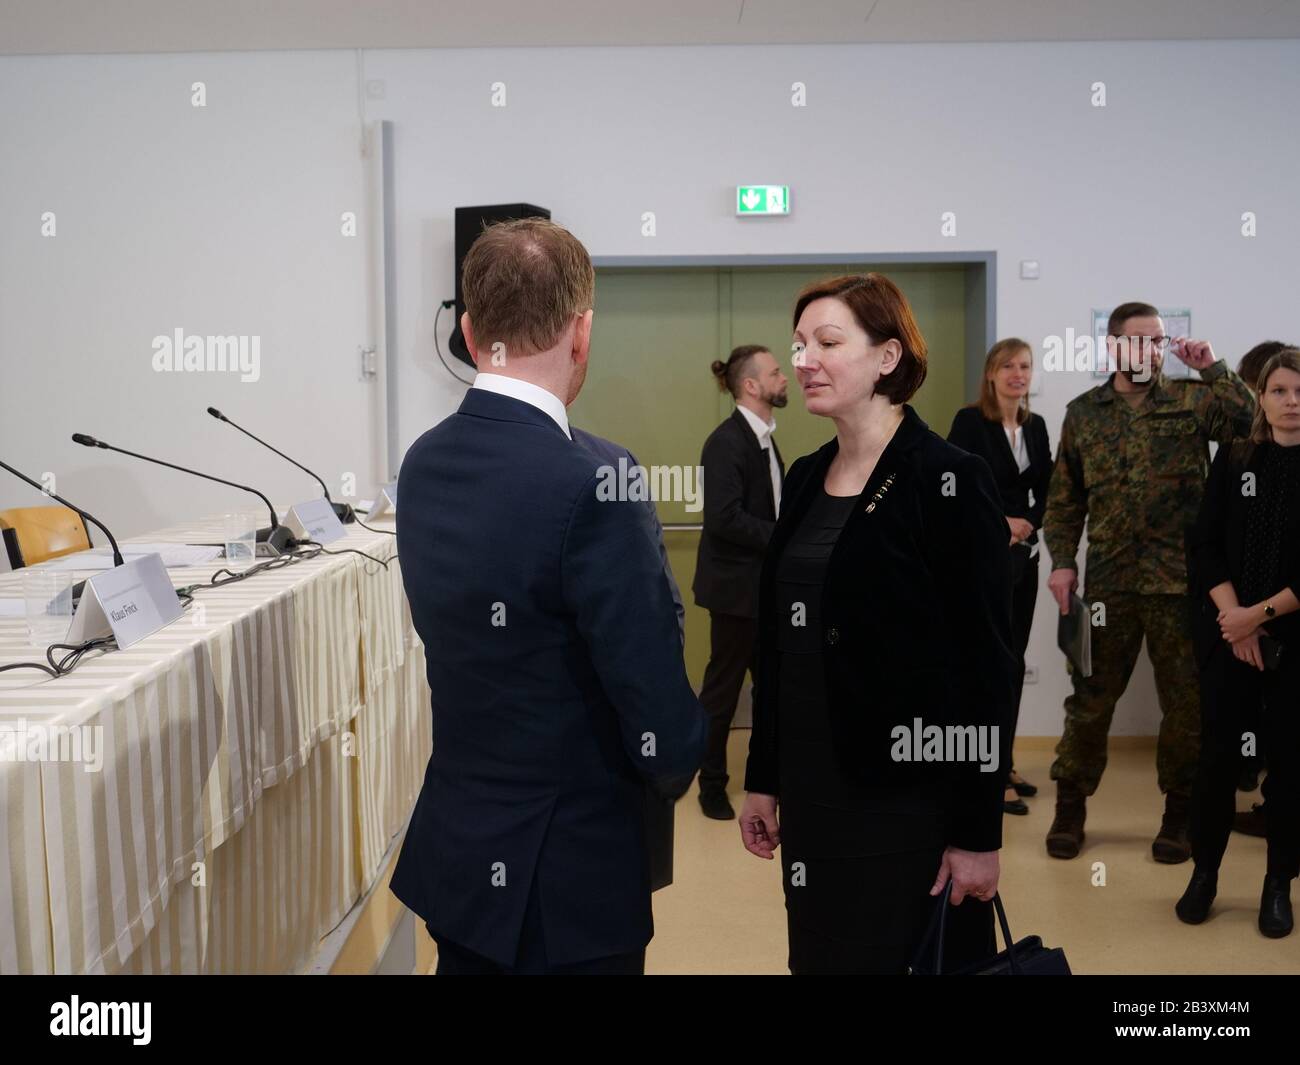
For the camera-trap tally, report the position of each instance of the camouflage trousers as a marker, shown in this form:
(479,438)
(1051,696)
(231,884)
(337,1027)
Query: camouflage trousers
(1165,621)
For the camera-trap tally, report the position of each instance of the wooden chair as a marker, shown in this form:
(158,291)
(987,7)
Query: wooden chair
(44,532)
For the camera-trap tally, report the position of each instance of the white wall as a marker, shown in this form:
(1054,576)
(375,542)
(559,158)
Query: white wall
(225,220)
(221,220)
(1138,200)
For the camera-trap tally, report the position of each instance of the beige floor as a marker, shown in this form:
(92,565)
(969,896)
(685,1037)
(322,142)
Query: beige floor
(724,914)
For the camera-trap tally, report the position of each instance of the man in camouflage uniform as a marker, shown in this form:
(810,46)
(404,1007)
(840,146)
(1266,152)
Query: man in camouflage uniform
(1132,461)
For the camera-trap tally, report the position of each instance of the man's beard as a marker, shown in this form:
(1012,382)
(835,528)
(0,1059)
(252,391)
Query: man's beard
(1141,376)
(777,399)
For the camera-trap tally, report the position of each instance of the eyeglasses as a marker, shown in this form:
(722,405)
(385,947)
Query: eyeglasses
(1160,344)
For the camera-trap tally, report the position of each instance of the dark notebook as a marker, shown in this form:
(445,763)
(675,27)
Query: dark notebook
(1074,636)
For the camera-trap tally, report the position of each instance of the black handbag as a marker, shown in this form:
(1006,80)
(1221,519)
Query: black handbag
(1027,958)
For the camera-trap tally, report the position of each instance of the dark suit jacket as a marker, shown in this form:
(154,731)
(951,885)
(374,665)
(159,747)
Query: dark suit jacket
(558,685)
(609,453)
(973,432)
(739,516)
(917,615)
(660,810)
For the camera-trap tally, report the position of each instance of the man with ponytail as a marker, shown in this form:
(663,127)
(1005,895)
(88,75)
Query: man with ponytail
(742,496)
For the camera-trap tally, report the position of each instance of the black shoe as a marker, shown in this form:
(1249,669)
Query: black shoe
(1275,919)
(1014,806)
(1194,906)
(715,804)
(1250,822)
(1025,789)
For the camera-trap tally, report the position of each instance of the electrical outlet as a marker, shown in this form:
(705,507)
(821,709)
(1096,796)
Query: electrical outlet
(1031,674)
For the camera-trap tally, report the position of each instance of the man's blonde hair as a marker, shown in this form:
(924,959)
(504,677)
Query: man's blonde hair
(524,280)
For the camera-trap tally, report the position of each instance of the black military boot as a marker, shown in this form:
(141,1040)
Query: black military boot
(1275,919)
(1171,844)
(1065,837)
(1194,906)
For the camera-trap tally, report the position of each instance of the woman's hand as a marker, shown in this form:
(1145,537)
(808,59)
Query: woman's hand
(973,873)
(1248,650)
(759,830)
(1238,622)
(1020,529)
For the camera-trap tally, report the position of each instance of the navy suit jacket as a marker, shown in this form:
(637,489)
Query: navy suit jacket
(558,688)
(609,454)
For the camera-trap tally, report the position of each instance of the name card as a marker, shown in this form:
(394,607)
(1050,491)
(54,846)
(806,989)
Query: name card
(315,520)
(131,601)
(385,502)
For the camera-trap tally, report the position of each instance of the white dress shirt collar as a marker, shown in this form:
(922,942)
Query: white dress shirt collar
(527,392)
(763,430)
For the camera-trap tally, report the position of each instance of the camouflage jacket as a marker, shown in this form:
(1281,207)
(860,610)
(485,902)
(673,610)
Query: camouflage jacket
(1136,475)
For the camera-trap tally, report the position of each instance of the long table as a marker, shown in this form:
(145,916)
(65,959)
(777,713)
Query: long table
(258,757)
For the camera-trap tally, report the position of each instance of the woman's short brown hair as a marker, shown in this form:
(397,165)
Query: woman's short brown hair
(523,281)
(1001,352)
(1286,359)
(882,311)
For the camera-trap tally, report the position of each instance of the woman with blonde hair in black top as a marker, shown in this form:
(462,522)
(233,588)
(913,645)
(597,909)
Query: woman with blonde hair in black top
(1000,428)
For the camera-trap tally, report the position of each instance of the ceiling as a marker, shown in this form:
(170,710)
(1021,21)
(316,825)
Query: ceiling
(35,27)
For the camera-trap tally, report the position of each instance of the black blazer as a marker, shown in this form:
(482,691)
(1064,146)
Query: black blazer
(981,436)
(739,516)
(553,652)
(917,613)
(1217,545)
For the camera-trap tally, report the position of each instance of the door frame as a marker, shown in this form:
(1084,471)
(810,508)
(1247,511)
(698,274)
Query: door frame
(981,297)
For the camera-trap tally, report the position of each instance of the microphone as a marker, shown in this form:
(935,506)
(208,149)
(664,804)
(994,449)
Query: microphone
(85,516)
(277,536)
(343,510)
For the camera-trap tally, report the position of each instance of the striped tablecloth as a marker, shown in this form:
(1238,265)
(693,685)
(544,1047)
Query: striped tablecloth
(258,756)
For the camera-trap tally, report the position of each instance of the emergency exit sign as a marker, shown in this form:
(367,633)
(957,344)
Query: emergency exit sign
(762,199)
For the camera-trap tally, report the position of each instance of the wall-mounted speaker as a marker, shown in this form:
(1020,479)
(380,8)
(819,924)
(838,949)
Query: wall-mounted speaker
(470,222)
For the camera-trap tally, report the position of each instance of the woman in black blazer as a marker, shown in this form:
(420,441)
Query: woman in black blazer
(886,672)
(1000,429)
(1246,548)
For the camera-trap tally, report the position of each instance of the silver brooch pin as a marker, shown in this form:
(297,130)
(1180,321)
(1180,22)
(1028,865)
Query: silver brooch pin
(880,493)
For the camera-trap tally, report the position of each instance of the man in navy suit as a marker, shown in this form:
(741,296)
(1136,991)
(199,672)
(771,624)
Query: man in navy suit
(552,643)
(609,454)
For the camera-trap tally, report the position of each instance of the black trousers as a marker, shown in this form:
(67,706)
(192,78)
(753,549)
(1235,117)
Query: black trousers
(1236,699)
(733,648)
(1024,596)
